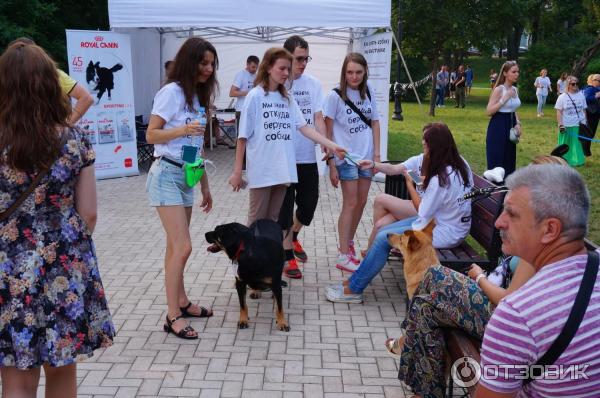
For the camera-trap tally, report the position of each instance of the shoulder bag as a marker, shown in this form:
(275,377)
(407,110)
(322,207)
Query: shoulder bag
(354,108)
(584,130)
(34,183)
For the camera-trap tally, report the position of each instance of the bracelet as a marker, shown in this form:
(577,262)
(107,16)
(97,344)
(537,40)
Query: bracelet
(478,278)
(331,157)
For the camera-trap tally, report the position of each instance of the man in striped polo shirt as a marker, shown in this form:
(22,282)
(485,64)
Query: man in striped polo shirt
(544,222)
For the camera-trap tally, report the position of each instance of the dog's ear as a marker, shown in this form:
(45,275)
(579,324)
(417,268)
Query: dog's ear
(414,243)
(428,230)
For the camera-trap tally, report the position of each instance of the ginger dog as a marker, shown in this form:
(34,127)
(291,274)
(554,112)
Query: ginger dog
(418,253)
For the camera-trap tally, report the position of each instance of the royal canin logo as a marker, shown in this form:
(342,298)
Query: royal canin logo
(99,38)
(99,43)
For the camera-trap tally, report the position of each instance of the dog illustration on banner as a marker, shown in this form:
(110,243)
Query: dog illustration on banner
(102,78)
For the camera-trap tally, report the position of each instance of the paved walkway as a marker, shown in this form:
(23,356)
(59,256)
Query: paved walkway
(332,350)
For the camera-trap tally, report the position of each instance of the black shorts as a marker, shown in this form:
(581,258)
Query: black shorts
(305,193)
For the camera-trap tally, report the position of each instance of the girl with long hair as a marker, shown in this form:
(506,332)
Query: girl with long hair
(570,112)
(502,106)
(446,178)
(269,120)
(358,130)
(174,126)
(52,302)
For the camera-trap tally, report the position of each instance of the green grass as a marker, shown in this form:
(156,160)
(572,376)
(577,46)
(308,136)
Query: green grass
(469,127)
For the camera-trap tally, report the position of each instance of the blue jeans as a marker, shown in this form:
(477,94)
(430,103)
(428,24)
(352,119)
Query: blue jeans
(541,102)
(439,100)
(377,255)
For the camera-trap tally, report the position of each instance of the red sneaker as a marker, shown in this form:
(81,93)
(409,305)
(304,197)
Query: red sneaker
(299,252)
(291,270)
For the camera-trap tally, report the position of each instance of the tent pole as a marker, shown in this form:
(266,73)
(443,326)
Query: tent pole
(406,68)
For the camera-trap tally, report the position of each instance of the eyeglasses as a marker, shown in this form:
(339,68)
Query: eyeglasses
(596,80)
(573,84)
(303,59)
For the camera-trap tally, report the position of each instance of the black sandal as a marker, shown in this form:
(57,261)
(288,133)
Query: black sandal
(183,333)
(204,312)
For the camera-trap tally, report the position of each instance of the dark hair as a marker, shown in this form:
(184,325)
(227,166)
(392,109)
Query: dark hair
(441,154)
(262,76)
(295,41)
(184,72)
(34,108)
(252,59)
(167,64)
(357,58)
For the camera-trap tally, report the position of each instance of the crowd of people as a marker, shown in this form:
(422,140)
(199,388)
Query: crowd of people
(53,309)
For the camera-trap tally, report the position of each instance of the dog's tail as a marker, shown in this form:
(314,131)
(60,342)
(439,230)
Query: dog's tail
(116,68)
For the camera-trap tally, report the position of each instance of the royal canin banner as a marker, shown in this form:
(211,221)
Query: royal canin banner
(101,62)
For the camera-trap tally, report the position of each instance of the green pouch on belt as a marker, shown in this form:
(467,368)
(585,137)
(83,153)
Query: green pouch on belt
(193,172)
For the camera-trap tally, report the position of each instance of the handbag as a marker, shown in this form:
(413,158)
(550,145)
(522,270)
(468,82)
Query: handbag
(513,134)
(193,172)
(34,183)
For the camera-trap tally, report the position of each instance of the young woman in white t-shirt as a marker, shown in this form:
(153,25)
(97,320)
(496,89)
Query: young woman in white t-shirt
(349,130)
(446,179)
(191,83)
(543,87)
(570,111)
(269,120)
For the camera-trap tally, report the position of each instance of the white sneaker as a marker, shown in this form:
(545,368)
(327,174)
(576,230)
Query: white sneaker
(345,263)
(495,175)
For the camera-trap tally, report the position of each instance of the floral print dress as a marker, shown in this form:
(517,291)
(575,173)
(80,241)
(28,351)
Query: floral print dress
(52,304)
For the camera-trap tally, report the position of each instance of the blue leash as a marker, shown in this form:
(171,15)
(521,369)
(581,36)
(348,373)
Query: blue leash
(584,138)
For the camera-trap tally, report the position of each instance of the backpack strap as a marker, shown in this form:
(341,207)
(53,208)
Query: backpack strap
(575,317)
(351,105)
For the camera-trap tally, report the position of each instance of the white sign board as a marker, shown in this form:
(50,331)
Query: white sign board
(377,49)
(101,62)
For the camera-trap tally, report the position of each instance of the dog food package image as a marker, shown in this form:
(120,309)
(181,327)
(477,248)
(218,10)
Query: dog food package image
(124,126)
(106,128)
(89,128)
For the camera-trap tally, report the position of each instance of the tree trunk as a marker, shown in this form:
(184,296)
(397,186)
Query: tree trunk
(434,68)
(588,54)
(512,43)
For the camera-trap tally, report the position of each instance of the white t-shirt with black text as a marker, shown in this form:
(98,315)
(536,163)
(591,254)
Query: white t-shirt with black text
(308,94)
(244,80)
(169,104)
(571,116)
(270,122)
(349,131)
(452,215)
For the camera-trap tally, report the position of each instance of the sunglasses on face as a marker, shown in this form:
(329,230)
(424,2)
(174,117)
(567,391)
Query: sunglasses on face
(303,59)
(573,84)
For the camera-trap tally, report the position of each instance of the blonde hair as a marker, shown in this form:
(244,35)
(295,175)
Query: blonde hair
(592,77)
(504,69)
(271,56)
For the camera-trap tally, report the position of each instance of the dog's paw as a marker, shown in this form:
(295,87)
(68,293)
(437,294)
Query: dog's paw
(243,325)
(284,327)
(255,294)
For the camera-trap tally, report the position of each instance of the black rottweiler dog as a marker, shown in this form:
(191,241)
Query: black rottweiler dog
(258,251)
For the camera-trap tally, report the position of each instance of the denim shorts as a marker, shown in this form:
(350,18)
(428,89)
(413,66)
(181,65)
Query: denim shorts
(166,186)
(350,172)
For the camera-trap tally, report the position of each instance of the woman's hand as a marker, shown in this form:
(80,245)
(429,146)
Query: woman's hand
(519,130)
(475,271)
(407,176)
(339,151)
(193,128)
(334,177)
(366,164)
(207,202)
(236,181)
(376,158)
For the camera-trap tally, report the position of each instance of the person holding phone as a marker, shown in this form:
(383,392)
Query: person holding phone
(177,134)
(447,178)
(352,119)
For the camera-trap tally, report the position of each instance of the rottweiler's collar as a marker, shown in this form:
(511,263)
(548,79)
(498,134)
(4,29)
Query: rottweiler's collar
(238,252)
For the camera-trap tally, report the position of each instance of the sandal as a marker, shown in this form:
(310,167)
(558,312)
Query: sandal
(394,346)
(185,333)
(204,312)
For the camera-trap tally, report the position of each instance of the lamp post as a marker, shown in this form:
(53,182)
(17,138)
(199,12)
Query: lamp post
(397,88)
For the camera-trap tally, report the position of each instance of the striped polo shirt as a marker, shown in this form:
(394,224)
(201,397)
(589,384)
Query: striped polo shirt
(525,324)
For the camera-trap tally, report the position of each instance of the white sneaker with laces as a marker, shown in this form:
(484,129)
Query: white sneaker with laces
(345,263)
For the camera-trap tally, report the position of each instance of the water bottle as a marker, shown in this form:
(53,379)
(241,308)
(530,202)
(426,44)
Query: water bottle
(197,140)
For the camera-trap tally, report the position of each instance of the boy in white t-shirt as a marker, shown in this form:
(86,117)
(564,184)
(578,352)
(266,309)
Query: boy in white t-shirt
(307,92)
(243,83)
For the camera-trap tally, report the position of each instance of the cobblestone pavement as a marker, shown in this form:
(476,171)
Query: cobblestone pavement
(332,350)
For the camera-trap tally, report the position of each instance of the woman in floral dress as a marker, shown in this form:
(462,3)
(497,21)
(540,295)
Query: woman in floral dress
(52,305)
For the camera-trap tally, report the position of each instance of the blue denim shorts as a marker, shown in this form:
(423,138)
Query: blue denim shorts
(350,172)
(166,186)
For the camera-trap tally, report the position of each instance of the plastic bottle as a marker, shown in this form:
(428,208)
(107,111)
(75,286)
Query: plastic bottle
(197,140)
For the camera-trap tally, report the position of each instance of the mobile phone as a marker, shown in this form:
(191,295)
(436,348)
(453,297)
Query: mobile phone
(415,177)
(351,159)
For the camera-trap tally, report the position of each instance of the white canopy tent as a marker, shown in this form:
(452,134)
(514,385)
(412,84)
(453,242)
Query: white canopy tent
(239,28)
